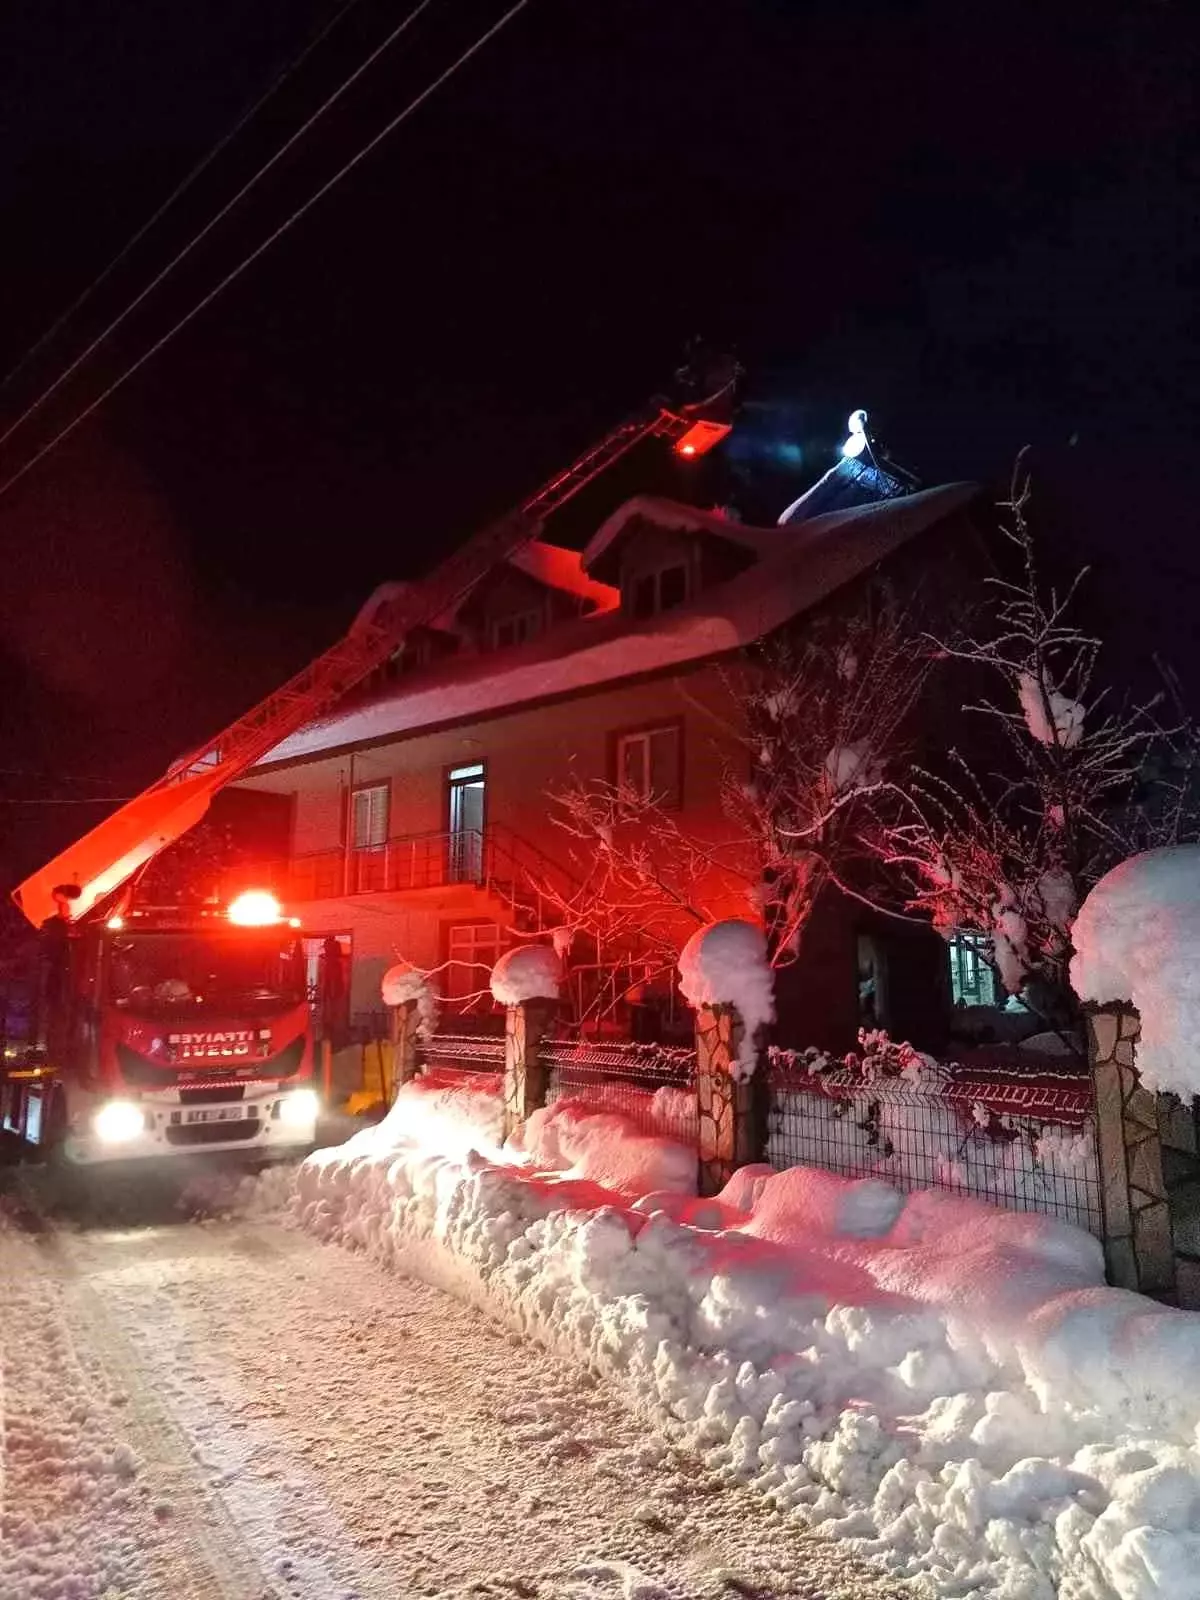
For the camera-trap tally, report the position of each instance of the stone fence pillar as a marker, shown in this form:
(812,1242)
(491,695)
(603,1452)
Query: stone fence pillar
(732,1111)
(526,1078)
(1142,1143)
(406,1043)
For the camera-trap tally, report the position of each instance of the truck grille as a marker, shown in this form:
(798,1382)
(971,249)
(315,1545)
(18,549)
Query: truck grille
(212,1096)
(197,1133)
(140,1072)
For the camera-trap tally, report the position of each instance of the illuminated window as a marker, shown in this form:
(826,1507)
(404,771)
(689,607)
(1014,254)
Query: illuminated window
(649,765)
(972,980)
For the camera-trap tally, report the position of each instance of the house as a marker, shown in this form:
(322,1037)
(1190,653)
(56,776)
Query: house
(421,819)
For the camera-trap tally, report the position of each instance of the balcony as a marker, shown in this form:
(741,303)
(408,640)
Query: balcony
(492,859)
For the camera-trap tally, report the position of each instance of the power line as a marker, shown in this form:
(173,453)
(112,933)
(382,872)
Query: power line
(52,777)
(180,189)
(92,800)
(288,222)
(251,183)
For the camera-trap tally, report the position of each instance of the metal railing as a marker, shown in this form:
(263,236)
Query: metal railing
(1025,1147)
(493,858)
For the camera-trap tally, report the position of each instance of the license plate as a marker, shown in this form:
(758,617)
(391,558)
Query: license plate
(216,1114)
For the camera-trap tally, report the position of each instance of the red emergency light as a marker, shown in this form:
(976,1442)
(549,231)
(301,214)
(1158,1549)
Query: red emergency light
(700,438)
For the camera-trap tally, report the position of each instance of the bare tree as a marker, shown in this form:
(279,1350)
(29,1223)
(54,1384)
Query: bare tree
(1008,842)
(819,721)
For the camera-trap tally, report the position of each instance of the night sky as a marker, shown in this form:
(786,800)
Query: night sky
(980,223)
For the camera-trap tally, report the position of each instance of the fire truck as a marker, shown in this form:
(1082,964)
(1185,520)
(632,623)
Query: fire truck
(163,1031)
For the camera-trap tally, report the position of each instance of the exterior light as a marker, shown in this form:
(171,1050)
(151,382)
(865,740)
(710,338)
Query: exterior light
(299,1109)
(700,438)
(856,440)
(118,1122)
(115,923)
(255,909)
(293,922)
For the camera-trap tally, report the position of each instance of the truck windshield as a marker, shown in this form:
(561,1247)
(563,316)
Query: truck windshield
(169,973)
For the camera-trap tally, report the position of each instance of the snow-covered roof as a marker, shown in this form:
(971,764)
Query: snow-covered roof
(673,515)
(560,569)
(851,482)
(806,565)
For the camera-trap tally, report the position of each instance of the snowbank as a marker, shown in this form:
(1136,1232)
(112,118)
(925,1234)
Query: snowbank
(1137,939)
(530,972)
(602,1146)
(950,1387)
(726,964)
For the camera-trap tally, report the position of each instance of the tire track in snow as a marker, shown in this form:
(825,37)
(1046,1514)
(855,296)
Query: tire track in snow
(199,1553)
(435,1455)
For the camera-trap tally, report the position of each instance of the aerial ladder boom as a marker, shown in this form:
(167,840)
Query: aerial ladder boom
(124,842)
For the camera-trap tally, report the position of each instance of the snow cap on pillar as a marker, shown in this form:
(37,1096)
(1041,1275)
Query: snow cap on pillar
(529,972)
(1137,940)
(726,964)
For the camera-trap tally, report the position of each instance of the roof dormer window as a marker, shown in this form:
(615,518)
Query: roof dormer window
(660,590)
(518,628)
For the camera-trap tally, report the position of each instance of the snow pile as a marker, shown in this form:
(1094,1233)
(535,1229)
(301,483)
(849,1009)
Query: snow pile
(403,983)
(726,964)
(1137,939)
(529,972)
(603,1147)
(948,1387)
(1051,717)
(444,1111)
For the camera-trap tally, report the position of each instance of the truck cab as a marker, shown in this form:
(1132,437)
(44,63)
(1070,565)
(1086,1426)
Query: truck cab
(168,1033)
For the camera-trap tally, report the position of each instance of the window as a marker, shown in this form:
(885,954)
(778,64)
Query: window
(472,949)
(972,981)
(649,765)
(369,817)
(517,629)
(466,791)
(660,591)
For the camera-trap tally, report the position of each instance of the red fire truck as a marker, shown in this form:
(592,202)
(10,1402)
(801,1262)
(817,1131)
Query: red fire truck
(168,1030)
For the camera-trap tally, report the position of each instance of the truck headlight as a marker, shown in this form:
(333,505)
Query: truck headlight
(300,1108)
(118,1121)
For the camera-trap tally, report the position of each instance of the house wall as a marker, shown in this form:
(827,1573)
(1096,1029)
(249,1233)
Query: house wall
(528,755)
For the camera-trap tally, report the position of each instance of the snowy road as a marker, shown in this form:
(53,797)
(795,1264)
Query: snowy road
(227,1410)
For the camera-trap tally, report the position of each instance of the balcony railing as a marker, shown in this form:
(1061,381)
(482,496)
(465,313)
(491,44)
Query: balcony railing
(489,858)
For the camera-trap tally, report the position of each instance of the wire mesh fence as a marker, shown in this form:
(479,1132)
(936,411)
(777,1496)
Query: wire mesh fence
(653,1085)
(1023,1146)
(463,1052)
